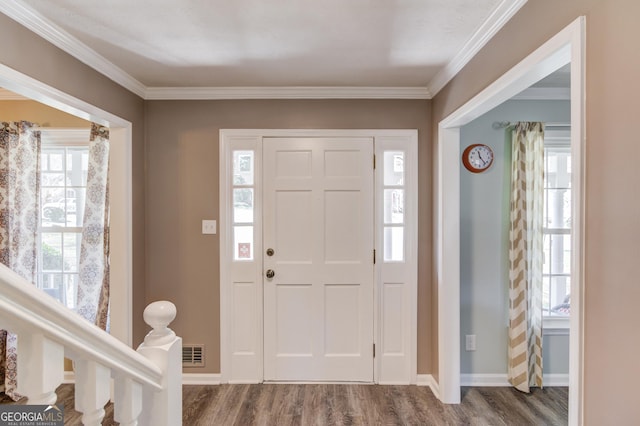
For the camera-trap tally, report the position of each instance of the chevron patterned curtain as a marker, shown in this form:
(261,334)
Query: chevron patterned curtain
(526,256)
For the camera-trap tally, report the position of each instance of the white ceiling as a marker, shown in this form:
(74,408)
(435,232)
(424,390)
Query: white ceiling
(147,44)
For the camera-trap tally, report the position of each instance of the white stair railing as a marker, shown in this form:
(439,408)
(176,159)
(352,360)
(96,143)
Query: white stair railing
(147,383)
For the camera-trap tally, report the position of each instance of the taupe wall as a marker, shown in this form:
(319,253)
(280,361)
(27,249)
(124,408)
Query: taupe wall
(182,189)
(27,53)
(185,131)
(612,198)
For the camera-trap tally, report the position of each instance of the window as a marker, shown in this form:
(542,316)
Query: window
(557,231)
(243,188)
(393,187)
(63,181)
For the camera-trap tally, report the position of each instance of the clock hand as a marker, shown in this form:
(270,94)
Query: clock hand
(481,159)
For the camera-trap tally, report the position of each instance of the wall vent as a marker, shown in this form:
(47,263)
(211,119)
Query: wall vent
(193,355)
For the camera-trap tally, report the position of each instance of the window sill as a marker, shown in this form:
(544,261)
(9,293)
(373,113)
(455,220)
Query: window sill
(555,325)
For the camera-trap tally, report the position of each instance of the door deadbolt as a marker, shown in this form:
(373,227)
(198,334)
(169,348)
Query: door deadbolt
(270,252)
(270,273)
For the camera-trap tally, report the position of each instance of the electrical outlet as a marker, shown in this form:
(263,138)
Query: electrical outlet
(470,342)
(209,227)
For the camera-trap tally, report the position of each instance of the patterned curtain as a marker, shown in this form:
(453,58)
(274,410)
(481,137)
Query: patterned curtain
(526,257)
(19,201)
(93,286)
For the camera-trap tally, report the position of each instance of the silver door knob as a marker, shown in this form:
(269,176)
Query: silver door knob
(270,273)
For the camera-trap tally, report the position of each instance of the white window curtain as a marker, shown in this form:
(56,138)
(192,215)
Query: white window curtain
(93,286)
(19,201)
(526,256)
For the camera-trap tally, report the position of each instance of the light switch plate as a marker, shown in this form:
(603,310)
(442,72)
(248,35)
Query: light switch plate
(209,226)
(470,342)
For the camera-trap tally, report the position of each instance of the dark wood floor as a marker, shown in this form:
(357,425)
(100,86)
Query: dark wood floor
(327,404)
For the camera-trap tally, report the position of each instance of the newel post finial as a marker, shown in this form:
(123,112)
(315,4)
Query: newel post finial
(162,347)
(159,315)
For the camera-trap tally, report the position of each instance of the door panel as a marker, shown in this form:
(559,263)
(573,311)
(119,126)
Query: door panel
(318,219)
(294,226)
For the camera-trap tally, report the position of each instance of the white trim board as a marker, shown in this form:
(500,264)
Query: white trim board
(286,92)
(69,377)
(564,48)
(34,21)
(33,89)
(544,94)
(498,18)
(500,380)
(429,381)
(201,379)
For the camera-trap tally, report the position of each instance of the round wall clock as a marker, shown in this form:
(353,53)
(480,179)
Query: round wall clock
(477,157)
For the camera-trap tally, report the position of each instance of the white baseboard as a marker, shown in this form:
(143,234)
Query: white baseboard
(551,380)
(200,379)
(500,380)
(69,377)
(424,380)
(187,378)
(430,381)
(484,380)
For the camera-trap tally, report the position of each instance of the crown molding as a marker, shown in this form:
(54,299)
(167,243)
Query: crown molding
(34,21)
(498,18)
(285,92)
(544,94)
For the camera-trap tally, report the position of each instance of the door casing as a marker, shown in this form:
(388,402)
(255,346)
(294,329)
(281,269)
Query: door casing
(241,291)
(565,47)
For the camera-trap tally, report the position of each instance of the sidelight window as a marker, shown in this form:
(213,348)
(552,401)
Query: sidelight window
(243,204)
(394,220)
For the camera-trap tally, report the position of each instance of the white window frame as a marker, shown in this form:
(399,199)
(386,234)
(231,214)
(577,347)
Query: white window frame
(560,139)
(245,224)
(59,138)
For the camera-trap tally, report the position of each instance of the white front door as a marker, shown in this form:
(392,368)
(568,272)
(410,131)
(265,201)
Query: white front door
(318,217)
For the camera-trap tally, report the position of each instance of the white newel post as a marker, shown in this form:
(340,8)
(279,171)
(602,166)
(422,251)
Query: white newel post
(164,349)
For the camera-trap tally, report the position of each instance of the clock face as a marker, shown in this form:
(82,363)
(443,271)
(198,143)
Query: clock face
(477,158)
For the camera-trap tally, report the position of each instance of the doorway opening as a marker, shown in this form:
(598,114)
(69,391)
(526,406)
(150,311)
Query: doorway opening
(120,186)
(566,47)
